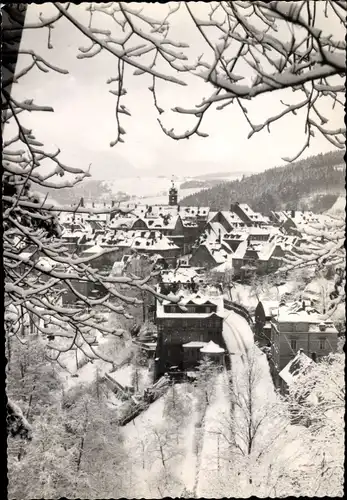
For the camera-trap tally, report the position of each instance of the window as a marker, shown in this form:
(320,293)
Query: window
(293,344)
(322,344)
(301,327)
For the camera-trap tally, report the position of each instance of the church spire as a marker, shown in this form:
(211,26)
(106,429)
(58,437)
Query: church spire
(173,193)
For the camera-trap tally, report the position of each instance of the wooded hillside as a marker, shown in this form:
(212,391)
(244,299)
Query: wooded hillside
(312,183)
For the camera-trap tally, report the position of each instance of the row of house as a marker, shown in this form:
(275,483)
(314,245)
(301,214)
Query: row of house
(239,239)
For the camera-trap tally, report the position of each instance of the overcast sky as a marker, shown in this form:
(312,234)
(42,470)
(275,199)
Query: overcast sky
(84,122)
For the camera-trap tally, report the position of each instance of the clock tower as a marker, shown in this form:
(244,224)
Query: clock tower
(173,194)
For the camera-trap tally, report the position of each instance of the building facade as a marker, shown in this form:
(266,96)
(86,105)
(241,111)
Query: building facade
(299,326)
(184,328)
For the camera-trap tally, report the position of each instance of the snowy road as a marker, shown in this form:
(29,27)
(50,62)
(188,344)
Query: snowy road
(237,333)
(239,340)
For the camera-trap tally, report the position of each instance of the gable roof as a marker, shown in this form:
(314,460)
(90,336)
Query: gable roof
(295,367)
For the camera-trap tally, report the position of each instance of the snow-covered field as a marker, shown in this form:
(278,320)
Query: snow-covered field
(151,189)
(162,199)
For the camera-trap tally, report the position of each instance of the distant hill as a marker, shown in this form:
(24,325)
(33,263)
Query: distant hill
(222,175)
(312,183)
(195,183)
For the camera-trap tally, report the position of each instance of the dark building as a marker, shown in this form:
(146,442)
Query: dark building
(173,195)
(184,328)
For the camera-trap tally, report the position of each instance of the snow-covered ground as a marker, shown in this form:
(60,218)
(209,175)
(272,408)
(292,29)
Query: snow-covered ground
(214,444)
(123,375)
(140,436)
(237,334)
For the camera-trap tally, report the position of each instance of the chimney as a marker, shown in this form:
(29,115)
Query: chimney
(220,236)
(112,203)
(104,203)
(314,357)
(303,305)
(292,214)
(82,202)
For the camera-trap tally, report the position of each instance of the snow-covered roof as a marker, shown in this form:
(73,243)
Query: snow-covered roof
(210,297)
(211,215)
(261,231)
(339,207)
(295,367)
(239,235)
(25,256)
(212,348)
(194,211)
(161,223)
(266,251)
(94,249)
(155,210)
(195,345)
(189,223)
(241,250)
(157,242)
(294,312)
(270,307)
(231,217)
(218,251)
(180,275)
(120,222)
(225,266)
(279,216)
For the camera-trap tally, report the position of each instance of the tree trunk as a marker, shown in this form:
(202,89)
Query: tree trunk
(79,459)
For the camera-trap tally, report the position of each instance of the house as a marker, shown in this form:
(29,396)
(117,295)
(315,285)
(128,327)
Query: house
(191,231)
(154,242)
(251,258)
(181,277)
(187,326)
(234,239)
(210,254)
(247,215)
(278,218)
(298,220)
(299,326)
(296,366)
(264,312)
(225,221)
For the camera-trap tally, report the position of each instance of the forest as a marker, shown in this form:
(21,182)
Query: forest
(312,183)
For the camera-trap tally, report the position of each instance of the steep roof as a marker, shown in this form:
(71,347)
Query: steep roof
(295,367)
(198,298)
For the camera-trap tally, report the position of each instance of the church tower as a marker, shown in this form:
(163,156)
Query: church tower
(173,195)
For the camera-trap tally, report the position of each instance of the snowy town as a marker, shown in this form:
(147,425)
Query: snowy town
(219,309)
(174,210)
(209,261)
